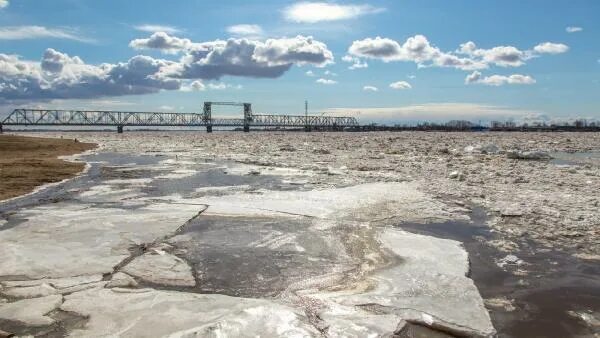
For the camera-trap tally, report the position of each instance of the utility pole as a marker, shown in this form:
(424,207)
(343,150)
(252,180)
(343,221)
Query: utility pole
(306,126)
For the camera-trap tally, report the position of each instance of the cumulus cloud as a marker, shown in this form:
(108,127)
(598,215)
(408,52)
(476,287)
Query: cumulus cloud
(3,3)
(499,80)
(163,42)
(38,32)
(400,85)
(326,81)
(551,48)
(238,57)
(473,77)
(54,62)
(311,12)
(196,85)
(250,58)
(370,89)
(357,63)
(415,49)
(245,30)
(60,76)
(157,28)
(377,48)
(222,86)
(467,57)
(504,56)
(310,73)
(573,29)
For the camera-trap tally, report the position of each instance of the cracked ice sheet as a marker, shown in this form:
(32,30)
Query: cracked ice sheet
(189,315)
(65,239)
(246,169)
(429,287)
(368,202)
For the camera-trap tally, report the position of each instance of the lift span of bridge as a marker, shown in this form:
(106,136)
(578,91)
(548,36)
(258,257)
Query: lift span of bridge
(120,119)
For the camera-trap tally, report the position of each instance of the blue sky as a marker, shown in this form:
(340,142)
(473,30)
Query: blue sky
(477,60)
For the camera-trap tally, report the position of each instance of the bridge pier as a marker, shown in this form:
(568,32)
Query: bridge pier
(209,129)
(246,128)
(119,129)
(1,131)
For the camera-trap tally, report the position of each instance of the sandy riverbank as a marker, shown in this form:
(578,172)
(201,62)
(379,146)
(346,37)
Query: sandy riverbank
(29,162)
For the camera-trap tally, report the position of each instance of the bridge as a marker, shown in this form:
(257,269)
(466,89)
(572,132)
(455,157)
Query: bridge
(120,119)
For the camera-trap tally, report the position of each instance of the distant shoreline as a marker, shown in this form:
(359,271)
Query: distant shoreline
(29,162)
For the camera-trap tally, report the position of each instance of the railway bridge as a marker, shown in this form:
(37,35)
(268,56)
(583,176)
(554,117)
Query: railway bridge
(120,119)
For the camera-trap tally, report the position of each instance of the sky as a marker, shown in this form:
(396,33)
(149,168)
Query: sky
(381,61)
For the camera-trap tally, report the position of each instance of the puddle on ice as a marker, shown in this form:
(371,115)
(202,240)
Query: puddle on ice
(576,158)
(254,257)
(555,283)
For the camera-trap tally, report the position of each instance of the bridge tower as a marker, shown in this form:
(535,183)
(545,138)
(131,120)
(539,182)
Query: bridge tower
(207,116)
(247,116)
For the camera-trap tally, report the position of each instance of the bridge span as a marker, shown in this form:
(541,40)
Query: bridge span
(120,119)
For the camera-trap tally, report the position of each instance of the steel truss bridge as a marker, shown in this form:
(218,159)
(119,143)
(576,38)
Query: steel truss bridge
(120,119)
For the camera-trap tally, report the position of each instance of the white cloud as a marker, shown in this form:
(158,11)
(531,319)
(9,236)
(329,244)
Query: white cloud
(60,76)
(310,73)
(499,80)
(411,76)
(504,56)
(311,12)
(196,85)
(163,42)
(3,3)
(157,28)
(329,73)
(473,77)
(326,81)
(432,112)
(370,89)
(217,86)
(166,108)
(415,49)
(573,29)
(245,30)
(380,48)
(400,85)
(38,32)
(468,57)
(357,63)
(250,58)
(551,48)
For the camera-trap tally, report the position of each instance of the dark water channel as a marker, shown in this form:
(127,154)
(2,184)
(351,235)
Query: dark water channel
(554,284)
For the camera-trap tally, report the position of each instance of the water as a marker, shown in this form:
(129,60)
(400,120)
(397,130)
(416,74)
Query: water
(555,283)
(566,158)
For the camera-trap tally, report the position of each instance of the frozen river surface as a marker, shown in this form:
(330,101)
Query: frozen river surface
(176,243)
